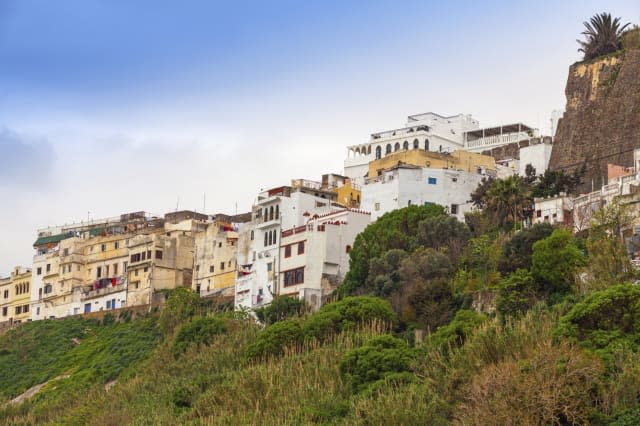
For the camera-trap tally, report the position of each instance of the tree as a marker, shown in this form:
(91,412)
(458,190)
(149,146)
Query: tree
(479,196)
(516,253)
(444,233)
(394,230)
(518,292)
(508,201)
(603,35)
(555,262)
(384,277)
(479,261)
(553,182)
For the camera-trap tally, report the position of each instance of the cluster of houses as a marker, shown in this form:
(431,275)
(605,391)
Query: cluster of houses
(296,239)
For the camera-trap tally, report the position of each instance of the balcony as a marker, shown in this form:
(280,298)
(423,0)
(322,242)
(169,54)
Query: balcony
(91,294)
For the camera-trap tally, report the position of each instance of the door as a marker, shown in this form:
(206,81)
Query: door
(87,308)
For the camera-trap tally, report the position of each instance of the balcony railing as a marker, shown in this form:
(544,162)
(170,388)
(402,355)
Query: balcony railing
(103,291)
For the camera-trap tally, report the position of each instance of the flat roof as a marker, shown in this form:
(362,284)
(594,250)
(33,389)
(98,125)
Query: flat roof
(497,130)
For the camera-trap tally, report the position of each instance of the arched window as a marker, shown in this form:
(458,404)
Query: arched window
(266,214)
(252,235)
(416,144)
(426,144)
(278,211)
(275,235)
(397,146)
(347,249)
(378,152)
(271,213)
(270,238)
(440,148)
(357,151)
(369,150)
(405,146)
(266,239)
(388,151)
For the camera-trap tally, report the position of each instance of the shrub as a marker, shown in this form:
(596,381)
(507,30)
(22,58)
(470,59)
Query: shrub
(347,314)
(200,331)
(275,338)
(382,357)
(455,333)
(605,319)
(517,252)
(182,304)
(281,308)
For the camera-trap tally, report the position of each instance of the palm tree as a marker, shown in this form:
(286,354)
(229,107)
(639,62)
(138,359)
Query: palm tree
(507,200)
(603,35)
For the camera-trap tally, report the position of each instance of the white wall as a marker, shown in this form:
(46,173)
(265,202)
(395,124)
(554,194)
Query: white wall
(536,155)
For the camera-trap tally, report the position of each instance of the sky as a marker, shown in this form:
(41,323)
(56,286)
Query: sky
(112,106)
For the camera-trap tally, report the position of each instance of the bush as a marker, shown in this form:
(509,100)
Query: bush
(455,333)
(200,331)
(382,357)
(517,252)
(347,314)
(182,304)
(274,339)
(281,308)
(605,319)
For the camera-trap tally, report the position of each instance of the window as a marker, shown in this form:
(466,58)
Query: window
(396,146)
(274,236)
(432,181)
(454,209)
(294,277)
(99,272)
(149,254)
(266,239)
(378,152)
(271,213)
(252,235)
(347,249)
(18,310)
(25,308)
(159,254)
(376,206)
(137,284)
(440,148)
(222,266)
(136,273)
(65,252)
(229,264)
(116,245)
(277,212)
(39,271)
(48,267)
(409,203)
(405,145)
(220,244)
(5,311)
(211,269)
(144,255)
(287,251)
(48,288)
(270,237)
(135,257)
(6,294)
(146,269)
(388,150)
(108,304)
(416,144)
(269,266)
(426,144)
(301,247)
(538,213)
(115,269)
(103,247)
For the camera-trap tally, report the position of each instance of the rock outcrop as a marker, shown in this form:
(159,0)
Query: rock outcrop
(601,123)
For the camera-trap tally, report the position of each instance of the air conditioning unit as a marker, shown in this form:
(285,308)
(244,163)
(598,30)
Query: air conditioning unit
(267,254)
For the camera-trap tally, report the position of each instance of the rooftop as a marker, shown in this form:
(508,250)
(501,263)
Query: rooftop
(499,130)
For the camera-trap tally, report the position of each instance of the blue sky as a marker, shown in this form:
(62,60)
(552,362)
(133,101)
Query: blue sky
(108,106)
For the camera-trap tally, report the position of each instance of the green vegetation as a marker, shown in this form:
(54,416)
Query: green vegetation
(603,35)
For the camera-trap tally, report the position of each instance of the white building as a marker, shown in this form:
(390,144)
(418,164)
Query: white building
(554,210)
(314,257)
(538,155)
(404,185)
(259,244)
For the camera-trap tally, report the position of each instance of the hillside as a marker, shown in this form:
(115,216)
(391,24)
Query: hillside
(557,342)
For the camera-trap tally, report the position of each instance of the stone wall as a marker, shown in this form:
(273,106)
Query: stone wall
(601,123)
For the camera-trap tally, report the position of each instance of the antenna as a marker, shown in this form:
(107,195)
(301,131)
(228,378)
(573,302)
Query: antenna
(177,203)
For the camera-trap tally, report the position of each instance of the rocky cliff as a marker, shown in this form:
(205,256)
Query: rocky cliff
(601,123)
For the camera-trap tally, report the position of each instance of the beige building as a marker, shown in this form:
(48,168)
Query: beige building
(15,296)
(158,262)
(215,253)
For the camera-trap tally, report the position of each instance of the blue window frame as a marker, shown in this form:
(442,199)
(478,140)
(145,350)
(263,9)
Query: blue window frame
(432,181)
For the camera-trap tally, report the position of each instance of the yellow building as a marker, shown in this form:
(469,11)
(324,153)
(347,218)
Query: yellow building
(15,296)
(458,160)
(349,194)
(215,258)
